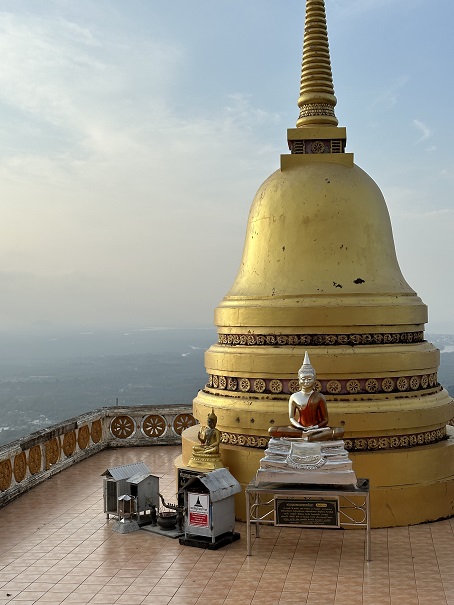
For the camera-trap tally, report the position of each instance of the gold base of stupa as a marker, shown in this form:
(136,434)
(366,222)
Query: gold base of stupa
(407,486)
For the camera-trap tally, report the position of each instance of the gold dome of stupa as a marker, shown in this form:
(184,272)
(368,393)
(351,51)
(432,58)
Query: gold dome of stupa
(319,273)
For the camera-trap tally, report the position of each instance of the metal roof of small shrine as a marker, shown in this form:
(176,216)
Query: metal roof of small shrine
(136,479)
(127,470)
(220,483)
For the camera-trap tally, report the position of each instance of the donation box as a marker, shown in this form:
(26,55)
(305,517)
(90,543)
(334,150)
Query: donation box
(210,504)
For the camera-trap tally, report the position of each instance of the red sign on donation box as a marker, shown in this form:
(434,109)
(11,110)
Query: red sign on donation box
(198,510)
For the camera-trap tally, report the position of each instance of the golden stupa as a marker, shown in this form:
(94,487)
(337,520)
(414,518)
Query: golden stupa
(319,273)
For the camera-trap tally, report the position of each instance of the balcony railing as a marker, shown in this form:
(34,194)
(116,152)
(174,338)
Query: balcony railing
(28,461)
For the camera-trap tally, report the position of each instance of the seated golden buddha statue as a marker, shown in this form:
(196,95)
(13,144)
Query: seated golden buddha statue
(206,455)
(308,412)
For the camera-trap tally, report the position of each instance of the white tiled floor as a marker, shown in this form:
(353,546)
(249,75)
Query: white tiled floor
(56,547)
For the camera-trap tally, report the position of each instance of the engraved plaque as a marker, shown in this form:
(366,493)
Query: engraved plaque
(306,512)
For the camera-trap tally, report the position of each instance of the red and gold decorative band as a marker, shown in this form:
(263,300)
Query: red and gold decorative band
(357,444)
(365,386)
(395,441)
(319,340)
(244,440)
(302,146)
(316,109)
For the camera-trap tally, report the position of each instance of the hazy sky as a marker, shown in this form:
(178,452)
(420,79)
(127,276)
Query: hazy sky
(135,133)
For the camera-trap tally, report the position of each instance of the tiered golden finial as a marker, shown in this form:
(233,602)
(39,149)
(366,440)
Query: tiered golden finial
(316,129)
(317,100)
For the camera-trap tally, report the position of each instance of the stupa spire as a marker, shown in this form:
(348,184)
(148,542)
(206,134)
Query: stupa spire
(317,100)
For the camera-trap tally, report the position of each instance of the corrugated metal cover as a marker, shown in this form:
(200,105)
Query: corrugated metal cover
(221,484)
(127,470)
(136,479)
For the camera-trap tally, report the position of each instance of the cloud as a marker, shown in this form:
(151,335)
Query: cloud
(246,114)
(57,74)
(358,7)
(389,97)
(112,195)
(125,191)
(424,248)
(423,129)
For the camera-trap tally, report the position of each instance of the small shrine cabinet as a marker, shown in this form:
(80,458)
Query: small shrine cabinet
(209,506)
(144,487)
(133,480)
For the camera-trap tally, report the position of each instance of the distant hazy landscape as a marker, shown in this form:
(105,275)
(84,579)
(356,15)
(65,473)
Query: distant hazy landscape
(47,377)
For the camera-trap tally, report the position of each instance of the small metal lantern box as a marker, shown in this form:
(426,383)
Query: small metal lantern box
(209,503)
(131,479)
(127,508)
